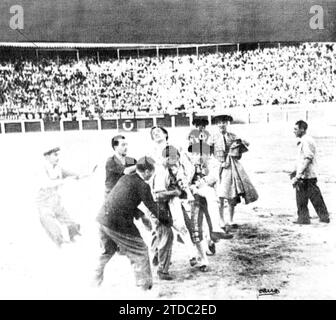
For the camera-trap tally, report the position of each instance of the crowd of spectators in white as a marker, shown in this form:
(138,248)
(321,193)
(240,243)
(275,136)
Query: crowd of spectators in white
(49,89)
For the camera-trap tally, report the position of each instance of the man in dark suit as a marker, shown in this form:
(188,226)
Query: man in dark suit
(117,229)
(119,164)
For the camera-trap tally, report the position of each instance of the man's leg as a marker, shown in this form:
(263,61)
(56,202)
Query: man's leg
(135,249)
(212,214)
(302,203)
(315,196)
(164,246)
(109,248)
(52,227)
(200,207)
(139,259)
(64,218)
(231,212)
(180,224)
(221,212)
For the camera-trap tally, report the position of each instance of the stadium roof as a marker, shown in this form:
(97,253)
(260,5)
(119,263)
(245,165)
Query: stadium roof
(165,21)
(68,45)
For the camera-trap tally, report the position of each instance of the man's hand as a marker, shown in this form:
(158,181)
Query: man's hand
(94,169)
(194,189)
(294,181)
(163,195)
(130,169)
(292,174)
(225,164)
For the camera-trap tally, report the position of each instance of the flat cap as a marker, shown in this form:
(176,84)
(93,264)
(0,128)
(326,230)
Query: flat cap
(200,122)
(222,118)
(50,151)
(145,163)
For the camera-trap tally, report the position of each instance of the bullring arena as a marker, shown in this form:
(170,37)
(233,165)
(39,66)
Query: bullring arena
(78,96)
(268,251)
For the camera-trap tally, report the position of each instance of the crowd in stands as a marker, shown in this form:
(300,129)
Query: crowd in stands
(50,89)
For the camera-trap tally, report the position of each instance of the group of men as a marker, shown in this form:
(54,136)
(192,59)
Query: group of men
(129,182)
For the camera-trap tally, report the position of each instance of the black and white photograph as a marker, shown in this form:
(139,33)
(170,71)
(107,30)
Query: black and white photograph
(167,150)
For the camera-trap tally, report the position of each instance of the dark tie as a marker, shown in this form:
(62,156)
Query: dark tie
(224,141)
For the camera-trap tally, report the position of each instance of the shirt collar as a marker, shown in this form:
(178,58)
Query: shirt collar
(122,160)
(299,140)
(140,176)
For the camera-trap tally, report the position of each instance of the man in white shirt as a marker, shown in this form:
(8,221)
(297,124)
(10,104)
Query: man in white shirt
(304,177)
(53,216)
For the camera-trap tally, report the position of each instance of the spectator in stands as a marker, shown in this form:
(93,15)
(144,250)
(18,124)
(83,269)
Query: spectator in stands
(270,76)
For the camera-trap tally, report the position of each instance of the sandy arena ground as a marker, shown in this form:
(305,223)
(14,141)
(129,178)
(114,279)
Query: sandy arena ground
(268,251)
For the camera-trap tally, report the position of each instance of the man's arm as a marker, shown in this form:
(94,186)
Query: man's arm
(167,194)
(300,172)
(308,150)
(67,173)
(113,167)
(130,169)
(147,199)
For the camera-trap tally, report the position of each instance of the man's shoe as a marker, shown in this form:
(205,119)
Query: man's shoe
(212,250)
(165,276)
(325,220)
(226,228)
(193,261)
(204,268)
(301,222)
(216,236)
(226,234)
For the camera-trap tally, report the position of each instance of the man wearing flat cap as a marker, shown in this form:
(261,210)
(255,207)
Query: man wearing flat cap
(118,232)
(233,181)
(53,216)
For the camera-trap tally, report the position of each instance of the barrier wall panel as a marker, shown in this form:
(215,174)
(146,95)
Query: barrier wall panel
(52,126)
(70,125)
(145,123)
(257,117)
(276,116)
(166,121)
(294,116)
(263,114)
(13,127)
(34,126)
(181,121)
(109,124)
(90,124)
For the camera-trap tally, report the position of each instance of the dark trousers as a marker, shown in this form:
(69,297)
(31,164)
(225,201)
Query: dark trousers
(307,189)
(194,223)
(133,247)
(162,245)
